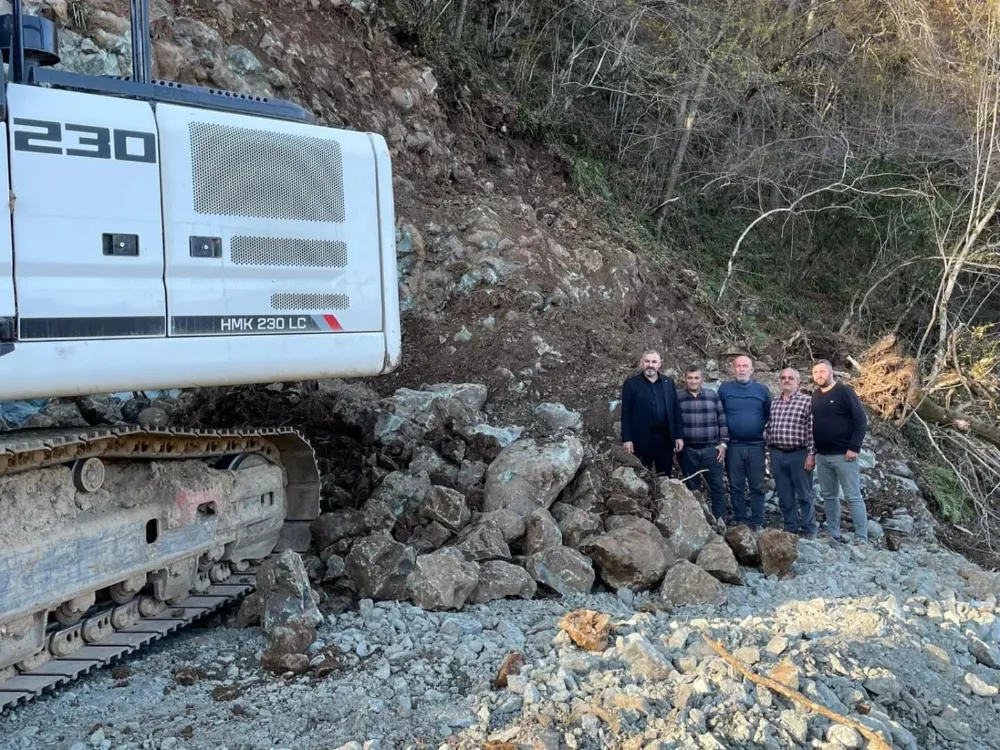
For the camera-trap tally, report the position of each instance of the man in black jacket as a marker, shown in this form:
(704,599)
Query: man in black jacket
(651,424)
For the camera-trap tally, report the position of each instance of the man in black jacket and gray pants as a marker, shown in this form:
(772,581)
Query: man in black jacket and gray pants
(651,425)
(839,425)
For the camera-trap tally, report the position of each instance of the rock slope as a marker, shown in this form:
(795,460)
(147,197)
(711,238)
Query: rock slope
(902,642)
(481,585)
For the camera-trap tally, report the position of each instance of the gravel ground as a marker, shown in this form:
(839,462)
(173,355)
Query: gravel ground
(896,640)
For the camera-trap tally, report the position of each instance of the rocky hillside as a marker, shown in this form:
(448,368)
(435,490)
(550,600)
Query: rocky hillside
(506,277)
(512,587)
(490,569)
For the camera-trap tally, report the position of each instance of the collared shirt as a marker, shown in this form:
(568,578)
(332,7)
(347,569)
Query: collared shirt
(659,400)
(791,423)
(703,417)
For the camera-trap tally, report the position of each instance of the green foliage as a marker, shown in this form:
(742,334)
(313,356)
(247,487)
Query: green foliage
(751,104)
(949,497)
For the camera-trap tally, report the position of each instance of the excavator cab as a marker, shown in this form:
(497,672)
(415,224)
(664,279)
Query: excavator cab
(162,235)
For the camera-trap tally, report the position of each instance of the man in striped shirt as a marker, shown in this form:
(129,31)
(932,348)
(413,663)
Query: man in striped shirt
(705,438)
(789,437)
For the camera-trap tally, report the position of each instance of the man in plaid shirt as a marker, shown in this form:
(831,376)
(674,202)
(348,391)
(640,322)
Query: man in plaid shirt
(705,438)
(789,437)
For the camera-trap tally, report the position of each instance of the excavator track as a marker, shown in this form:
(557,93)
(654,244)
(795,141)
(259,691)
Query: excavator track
(148,556)
(60,671)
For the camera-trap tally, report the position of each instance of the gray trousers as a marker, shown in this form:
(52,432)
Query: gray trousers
(836,473)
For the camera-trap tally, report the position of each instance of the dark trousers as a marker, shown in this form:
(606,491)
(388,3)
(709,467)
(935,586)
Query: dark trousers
(658,452)
(745,467)
(703,459)
(795,490)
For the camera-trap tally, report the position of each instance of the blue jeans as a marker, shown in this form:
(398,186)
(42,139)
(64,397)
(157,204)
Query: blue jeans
(704,460)
(795,490)
(745,467)
(837,473)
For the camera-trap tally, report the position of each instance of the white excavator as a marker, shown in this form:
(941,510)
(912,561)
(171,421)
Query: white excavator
(163,236)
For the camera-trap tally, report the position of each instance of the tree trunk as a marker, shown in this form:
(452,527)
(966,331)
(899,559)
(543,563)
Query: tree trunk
(689,119)
(931,411)
(463,8)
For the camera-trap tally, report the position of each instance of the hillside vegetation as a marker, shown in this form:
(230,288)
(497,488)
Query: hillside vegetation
(826,167)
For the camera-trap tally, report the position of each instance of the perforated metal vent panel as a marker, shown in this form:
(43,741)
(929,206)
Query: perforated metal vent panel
(260,174)
(287,251)
(296,301)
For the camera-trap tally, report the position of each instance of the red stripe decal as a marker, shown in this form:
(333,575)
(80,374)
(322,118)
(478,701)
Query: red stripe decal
(332,321)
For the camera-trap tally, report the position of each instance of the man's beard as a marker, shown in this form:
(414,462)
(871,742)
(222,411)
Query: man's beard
(650,372)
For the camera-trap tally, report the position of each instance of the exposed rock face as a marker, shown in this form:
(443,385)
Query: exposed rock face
(530,474)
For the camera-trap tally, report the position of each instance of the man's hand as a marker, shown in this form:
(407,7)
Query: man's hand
(720,453)
(851,455)
(678,445)
(810,463)
(629,447)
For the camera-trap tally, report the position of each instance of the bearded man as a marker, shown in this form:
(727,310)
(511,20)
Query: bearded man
(651,425)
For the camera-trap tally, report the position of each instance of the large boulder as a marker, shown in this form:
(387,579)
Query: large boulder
(778,551)
(288,612)
(681,519)
(441,581)
(743,542)
(483,541)
(499,580)
(717,558)
(330,528)
(541,532)
(686,583)
(584,492)
(285,593)
(418,405)
(575,524)
(379,566)
(563,569)
(530,474)
(399,492)
(447,507)
(556,417)
(633,556)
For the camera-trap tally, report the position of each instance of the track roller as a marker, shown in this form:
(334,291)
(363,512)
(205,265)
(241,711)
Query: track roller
(70,612)
(88,474)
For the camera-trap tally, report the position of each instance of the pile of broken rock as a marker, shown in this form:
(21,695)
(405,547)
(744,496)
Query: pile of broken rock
(477,513)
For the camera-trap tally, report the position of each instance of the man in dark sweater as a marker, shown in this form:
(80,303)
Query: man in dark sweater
(651,425)
(747,404)
(839,425)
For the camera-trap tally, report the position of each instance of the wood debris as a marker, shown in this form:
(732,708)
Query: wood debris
(875,738)
(587,629)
